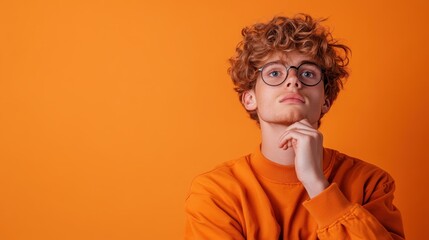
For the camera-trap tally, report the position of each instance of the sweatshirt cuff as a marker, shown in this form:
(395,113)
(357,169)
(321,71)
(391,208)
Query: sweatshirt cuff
(328,206)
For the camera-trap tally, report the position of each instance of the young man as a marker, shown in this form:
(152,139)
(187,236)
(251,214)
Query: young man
(288,72)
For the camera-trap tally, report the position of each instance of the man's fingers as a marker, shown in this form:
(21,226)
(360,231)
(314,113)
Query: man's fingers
(288,144)
(290,137)
(295,135)
(298,131)
(306,122)
(304,131)
(301,124)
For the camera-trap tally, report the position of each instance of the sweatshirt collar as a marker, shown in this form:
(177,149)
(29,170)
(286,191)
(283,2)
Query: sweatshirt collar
(270,170)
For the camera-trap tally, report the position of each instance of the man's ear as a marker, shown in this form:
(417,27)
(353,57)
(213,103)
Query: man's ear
(326,106)
(248,99)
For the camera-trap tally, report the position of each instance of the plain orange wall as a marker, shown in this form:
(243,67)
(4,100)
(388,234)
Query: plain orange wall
(108,109)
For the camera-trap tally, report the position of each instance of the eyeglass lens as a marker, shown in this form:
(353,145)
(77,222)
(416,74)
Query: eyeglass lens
(276,73)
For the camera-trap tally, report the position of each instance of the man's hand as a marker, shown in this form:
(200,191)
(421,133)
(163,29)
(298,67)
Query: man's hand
(307,144)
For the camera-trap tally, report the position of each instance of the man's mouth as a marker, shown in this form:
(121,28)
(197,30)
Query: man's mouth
(292,98)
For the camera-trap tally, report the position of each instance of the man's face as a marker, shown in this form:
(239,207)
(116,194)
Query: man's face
(291,101)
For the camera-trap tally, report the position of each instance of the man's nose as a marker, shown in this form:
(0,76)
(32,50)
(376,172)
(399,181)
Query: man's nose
(292,79)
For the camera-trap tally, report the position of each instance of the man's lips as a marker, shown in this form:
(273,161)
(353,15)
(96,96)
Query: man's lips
(292,97)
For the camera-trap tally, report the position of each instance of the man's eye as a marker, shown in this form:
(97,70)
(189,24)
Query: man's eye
(307,74)
(274,74)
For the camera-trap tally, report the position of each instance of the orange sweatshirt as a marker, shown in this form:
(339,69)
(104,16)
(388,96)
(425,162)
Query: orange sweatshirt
(254,198)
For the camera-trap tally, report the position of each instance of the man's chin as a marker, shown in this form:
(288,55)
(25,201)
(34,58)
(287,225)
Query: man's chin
(286,119)
(292,119)
(286,122)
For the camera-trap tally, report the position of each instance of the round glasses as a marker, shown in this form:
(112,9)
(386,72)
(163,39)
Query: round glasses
(275,73)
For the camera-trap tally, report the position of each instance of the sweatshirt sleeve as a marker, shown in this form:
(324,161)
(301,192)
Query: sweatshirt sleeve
(208,216)
(338,218)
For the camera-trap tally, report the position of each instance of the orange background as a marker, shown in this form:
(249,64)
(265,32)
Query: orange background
(108,109)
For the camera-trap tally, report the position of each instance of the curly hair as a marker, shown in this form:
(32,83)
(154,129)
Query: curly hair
(301,33)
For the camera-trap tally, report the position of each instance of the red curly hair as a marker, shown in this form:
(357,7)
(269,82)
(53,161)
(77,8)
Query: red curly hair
(301,33)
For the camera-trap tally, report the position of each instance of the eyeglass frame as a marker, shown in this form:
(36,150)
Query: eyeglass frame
(322,71)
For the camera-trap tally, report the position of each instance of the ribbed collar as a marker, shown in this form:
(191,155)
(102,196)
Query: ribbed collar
(280,173)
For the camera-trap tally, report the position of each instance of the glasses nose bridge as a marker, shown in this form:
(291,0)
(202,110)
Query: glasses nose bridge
(296,76)
(290,67)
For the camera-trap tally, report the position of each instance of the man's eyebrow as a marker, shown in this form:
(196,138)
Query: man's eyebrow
(287,65)
(308,61)
(299,63)
(303,62)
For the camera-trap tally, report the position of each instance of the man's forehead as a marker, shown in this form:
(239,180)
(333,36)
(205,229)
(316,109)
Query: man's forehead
(288,58)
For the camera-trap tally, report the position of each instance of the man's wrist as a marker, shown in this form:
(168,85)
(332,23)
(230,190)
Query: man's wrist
(315,187)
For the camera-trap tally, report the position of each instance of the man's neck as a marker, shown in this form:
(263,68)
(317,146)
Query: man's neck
(270,144)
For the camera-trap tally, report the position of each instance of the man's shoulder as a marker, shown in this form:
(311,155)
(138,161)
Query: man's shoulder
(225,176)
(345,164)
(226,170)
